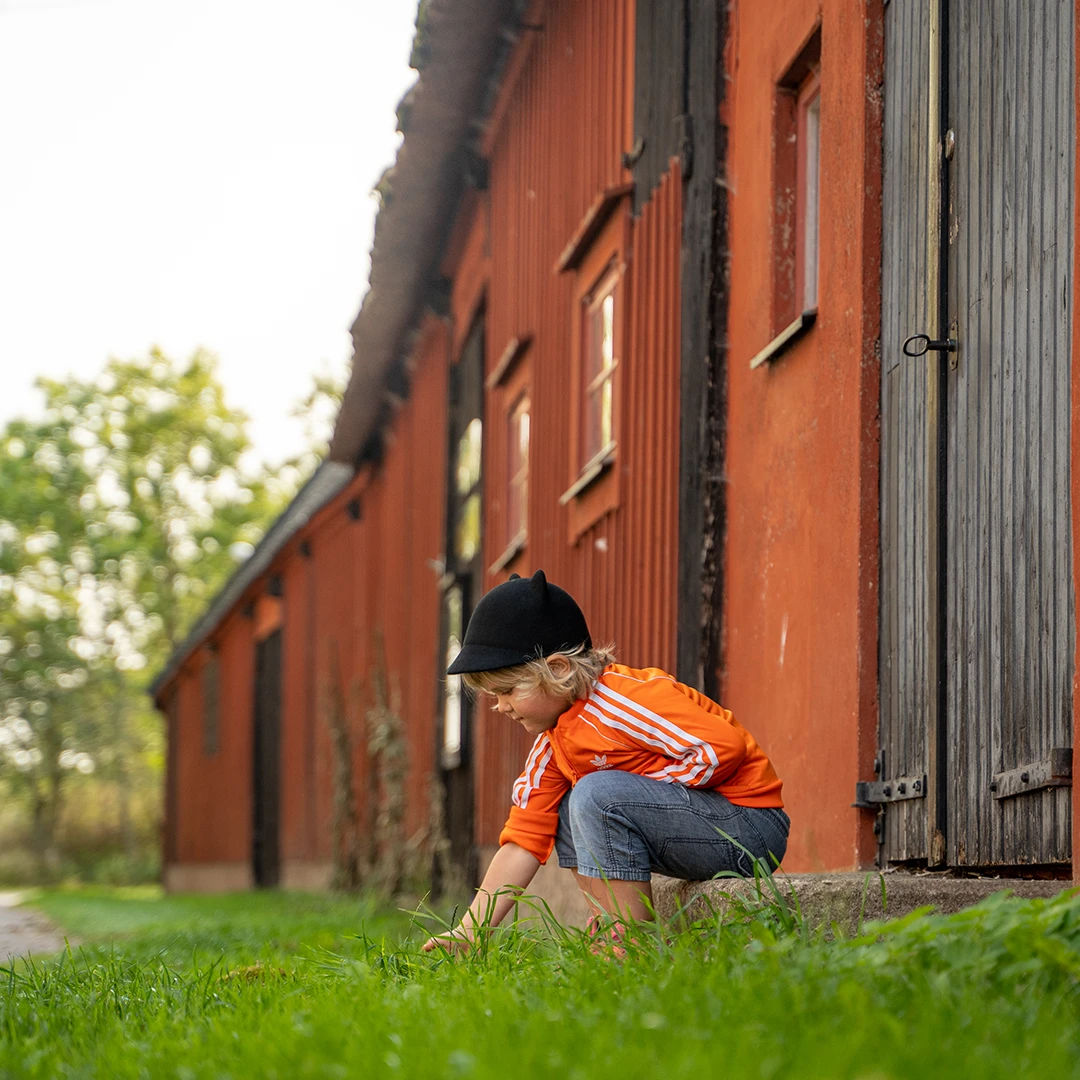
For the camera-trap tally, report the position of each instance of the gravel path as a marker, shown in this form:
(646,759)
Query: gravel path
(23,930)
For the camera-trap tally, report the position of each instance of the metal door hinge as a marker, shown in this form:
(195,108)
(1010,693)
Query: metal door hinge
(870,794)
(1052,771)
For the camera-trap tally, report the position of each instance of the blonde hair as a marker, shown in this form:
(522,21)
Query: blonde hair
(585,666)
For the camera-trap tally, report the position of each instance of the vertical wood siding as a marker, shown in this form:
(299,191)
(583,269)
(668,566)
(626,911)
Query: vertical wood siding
(364,580)
(903,662)
(560,146)
(1010,633)
(1011,604)
(567,121)
(213,794)
(299,831)
(800,476)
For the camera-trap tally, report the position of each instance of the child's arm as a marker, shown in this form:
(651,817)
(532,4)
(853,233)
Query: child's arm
(509,873)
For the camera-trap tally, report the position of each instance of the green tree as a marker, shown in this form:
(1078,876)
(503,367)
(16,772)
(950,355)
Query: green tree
(122,511)
(318,411)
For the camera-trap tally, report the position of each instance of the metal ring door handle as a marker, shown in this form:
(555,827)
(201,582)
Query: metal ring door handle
(921,344)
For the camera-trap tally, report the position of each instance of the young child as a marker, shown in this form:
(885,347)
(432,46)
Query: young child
(631,772)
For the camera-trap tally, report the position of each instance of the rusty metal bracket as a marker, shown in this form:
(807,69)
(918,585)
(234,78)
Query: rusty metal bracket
(870,794)
(1052,771)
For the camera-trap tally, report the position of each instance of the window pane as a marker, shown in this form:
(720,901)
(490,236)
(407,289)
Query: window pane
(592,442)
(452,705)
(523,435)
(607,347)
(513,448)
(513,467)
(467,540)
(598,387)
(469,453)
(513,509)
(606,392)
(517,467)
(594,360)
(523,472)
(810,227)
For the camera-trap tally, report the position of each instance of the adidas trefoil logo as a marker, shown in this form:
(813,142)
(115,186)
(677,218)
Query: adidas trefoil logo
(600,761)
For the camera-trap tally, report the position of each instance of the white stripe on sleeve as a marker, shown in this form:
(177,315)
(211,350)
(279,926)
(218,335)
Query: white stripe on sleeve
(695,754)
(529,780)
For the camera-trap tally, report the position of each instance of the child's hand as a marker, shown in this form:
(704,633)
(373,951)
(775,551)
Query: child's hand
(457,941)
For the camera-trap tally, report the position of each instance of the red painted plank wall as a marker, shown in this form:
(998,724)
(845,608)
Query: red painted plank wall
(556,143)
(562,127)
(214,793)
(800,577)
(403,516)
(361,580)
(301,741)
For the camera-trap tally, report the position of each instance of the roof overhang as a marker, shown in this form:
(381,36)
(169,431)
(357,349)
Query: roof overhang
(466,43)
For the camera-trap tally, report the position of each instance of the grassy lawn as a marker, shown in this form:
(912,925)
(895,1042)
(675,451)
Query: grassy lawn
(286,985)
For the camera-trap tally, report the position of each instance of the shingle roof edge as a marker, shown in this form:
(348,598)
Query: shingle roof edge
(467,43)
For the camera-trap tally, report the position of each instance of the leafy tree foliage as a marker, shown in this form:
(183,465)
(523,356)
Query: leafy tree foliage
(318,411)
(122,511)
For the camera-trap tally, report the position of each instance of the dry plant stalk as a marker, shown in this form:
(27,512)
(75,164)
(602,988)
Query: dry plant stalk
(381,858)
(389,765)
(450,877)
(345,822)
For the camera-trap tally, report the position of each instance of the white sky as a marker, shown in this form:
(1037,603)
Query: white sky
(184,173)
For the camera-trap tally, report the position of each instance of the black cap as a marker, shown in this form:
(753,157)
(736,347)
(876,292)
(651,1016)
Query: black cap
(518,621)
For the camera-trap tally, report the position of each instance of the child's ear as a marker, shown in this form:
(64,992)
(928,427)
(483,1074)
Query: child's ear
(558,663)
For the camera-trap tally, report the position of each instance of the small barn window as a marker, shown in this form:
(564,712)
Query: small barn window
(796,223)
(598,370)
(469,454)
(210,706)
(517,502)
(511,381)
(598,256)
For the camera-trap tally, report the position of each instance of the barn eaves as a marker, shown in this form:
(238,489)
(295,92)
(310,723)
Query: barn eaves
(465,45)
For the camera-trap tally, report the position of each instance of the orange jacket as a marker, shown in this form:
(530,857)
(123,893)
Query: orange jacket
(644,722)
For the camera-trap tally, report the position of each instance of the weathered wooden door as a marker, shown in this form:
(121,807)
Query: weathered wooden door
(908,696)
(266,760)
(977,615)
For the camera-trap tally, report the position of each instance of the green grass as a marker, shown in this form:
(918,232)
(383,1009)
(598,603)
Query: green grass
(276,986)
(239,928)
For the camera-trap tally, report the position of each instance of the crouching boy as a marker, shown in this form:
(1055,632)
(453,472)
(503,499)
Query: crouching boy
(631,772)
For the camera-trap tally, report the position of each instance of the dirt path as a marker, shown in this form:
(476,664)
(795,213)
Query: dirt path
(23,930)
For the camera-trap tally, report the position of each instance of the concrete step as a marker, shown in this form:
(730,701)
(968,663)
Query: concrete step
(845,898)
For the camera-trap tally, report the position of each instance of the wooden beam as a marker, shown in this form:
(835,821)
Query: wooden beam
(703,383)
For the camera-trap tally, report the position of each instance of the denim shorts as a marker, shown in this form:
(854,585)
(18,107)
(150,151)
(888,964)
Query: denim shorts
(624,827)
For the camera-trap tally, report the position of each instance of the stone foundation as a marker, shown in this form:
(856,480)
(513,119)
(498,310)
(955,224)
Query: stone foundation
(307,876)
(846,898)
(207,877)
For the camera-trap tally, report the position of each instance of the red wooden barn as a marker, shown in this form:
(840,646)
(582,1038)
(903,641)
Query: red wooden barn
(751,324)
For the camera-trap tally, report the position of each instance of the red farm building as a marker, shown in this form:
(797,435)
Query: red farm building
(753,325)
